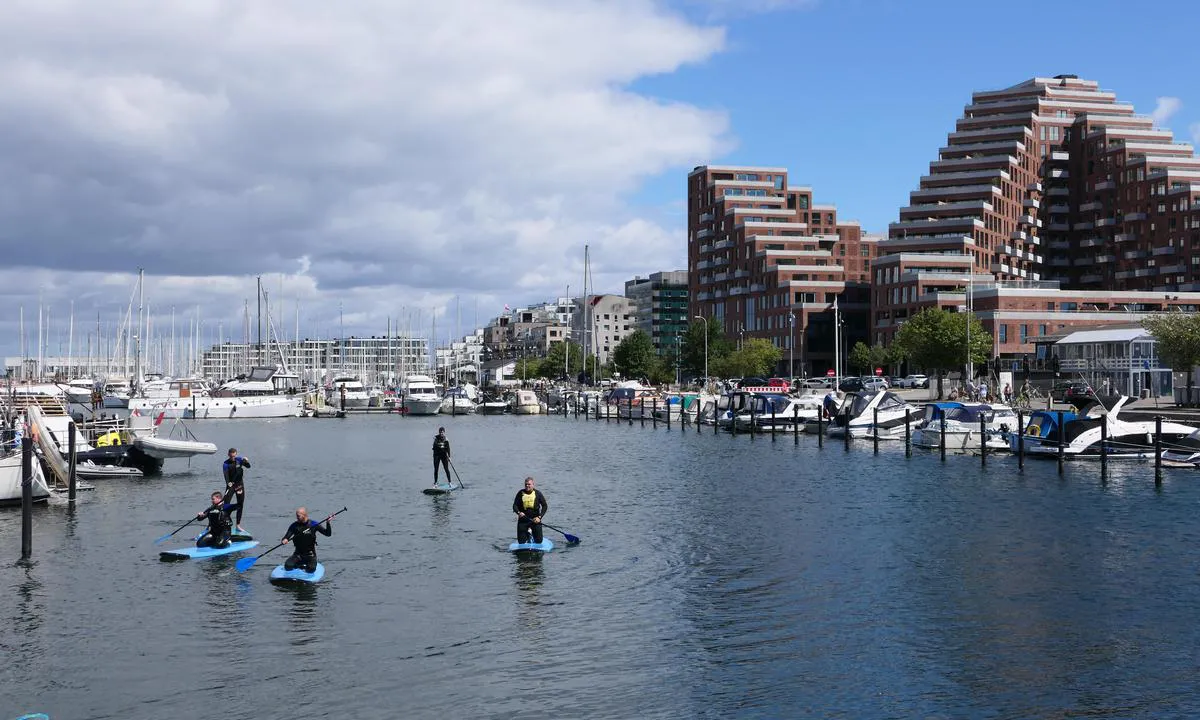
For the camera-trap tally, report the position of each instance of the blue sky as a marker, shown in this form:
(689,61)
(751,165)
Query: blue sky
(855,97)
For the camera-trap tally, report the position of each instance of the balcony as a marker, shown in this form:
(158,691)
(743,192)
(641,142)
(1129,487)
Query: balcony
(1059,174)
(1058,227)
(1169,269)
(1105,258)
(1106,185)
(1133,216)
(1144,272)
(1086,260)
(1031,203)
(704,264)
(1092,242)
(1134,254)
(705,233)
(706,217)
(1058,191)
(1034,240)
(1167,250)
(706,249)
(1029,220)
(1124,237)
(1001,268)
(1060,209)
(1059,245)
(723,245)
(1092,278)
(1060,262)
(1034,187)
(1083,226)
(1106,222)
(758,287)
(1060,155)
(739,274)
(1088,206)
(720,261)
(1019,236)
(720,277)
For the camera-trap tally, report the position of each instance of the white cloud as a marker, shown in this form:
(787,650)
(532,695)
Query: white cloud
(401,153)
(1164,109)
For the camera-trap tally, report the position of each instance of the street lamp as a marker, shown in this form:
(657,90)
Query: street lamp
(791,345)
(701,319)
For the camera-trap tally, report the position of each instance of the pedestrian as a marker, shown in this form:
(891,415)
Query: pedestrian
(235,483)
(529,505)
(441,455)
(302,534)
(983,390)
(1007,393)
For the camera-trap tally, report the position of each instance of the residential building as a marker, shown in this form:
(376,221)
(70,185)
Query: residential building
(607,321)
(373,359)
(768,262)
(1048,193)
(659,305)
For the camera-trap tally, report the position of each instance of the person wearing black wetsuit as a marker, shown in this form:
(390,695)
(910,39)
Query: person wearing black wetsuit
(529,505)
(219,524)
(302,534)
(441,454)
(234,481)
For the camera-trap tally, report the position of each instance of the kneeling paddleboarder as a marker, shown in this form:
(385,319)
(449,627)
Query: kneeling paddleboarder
(219,524)
(303,534)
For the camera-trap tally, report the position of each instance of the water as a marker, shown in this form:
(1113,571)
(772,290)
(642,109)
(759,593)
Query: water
(718,577)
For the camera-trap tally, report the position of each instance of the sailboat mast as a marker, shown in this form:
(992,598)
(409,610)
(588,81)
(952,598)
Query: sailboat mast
(71,342)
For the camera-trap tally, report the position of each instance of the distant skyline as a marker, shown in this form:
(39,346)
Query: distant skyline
(388,156)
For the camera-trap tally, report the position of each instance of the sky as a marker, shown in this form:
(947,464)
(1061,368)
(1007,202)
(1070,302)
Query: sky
(390,160)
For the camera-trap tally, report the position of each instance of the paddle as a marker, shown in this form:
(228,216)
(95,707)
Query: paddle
(460,484)
(572,539)
(246,563)
(164,538)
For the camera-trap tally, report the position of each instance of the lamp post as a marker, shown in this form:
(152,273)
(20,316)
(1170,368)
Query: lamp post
(791,345)
(701,319)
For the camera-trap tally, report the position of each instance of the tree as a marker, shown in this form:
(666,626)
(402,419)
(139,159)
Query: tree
(882,357)
(556,361)
(635,357)
(936,340)
(1177,342)
(692,352)
(527,368)
(757,357)
(860,358)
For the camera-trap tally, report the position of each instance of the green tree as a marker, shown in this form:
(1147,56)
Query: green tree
(556,360)
(527,368)
(757,357)
(692,353)
(635,357)
(1177,341)
(935,340)
(882,357)
(860,358)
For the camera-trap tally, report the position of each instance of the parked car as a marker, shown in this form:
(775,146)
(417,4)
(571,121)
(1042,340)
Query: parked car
(873,383)
(1064,390)
(779,383)
(1079,392)
(913,381)
(819,382)
(752,382)
(851,384)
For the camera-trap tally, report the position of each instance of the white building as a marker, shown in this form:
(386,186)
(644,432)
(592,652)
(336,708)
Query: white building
(607,320)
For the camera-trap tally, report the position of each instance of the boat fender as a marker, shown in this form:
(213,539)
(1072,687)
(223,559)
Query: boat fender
(1034,429)
(1003,427)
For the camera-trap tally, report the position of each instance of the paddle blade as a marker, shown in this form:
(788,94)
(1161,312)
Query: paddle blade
(245,564)
(572,539)
(163,539)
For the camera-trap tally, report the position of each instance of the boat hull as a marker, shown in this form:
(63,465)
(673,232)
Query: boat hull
(422,406)
(222,408)
(10,480)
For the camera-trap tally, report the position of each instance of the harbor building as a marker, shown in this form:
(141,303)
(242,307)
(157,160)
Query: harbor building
(1052,206)
(769,262)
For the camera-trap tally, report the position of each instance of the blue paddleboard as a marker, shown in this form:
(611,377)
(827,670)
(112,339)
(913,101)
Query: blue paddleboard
(546,545)
(438,490)
(235,536)
(196,553)
(279,574)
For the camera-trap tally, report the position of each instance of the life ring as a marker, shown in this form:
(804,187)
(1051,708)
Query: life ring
(1033,429)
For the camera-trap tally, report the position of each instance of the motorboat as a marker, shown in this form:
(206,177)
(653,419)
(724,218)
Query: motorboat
(960,423)
(1184,452)
(1126,439)
(774,412)
(493,405)
(165,448)
(89,470)
(881,414)
(459,400)
(116,393)
(526,402)
(420,395)
(267,392)
(347,391)
(80,391)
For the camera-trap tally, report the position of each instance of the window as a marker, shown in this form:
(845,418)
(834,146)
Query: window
(1024,333)
(1003,333)
(1042,330)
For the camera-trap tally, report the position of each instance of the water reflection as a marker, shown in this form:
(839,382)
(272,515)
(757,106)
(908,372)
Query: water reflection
(302,612)
(440,512)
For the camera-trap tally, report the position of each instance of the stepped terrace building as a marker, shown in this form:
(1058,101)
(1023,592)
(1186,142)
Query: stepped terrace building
(1049,185)
(768,262)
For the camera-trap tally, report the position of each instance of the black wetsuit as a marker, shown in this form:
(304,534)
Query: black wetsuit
(441,454)
(234,483)
(219,525)
(529,505)
(304,540)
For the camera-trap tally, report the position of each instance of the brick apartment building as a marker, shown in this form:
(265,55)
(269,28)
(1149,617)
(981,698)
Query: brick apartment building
(768,262)
(1054,206)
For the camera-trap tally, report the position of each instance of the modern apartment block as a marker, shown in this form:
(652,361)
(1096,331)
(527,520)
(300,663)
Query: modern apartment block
(604,320)
(1047,185)
(659,305)
(768,262)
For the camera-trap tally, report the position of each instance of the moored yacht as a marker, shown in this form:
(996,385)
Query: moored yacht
(460,400)
(857,416)
(1133,439)
(349,389)
(420,395)
(962,425)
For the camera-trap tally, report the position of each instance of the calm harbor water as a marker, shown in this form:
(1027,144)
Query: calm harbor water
(718,577)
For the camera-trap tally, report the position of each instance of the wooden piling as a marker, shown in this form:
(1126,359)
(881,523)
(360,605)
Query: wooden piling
(982,439)
(875,431)
(1158,449)
(942,437)
(26,497)
(907,432)
(1020,439)
(1062,443)
(71,453)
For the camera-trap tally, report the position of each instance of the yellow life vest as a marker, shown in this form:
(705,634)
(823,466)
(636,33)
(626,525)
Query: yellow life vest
(529,500)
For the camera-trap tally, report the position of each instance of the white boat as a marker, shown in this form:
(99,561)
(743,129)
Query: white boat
(89,470)
(775,412)
(116,393)
(80,391)
(459,401)
(962,426)
(165,448)
(266,393)
(1184,452)
(525,402)
(1126,439)
(420,395)
(858,417)
(356,395)
(10,479)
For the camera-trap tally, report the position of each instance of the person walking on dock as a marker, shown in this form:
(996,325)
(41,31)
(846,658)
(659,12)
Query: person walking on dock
(302,534)
(529,505)
(441,454)
(235,482)
(219,524)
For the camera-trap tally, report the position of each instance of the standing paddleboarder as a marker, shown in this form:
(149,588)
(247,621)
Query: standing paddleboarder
(234,482)
(219,524)
(303,534)
(529,505)
(441,454)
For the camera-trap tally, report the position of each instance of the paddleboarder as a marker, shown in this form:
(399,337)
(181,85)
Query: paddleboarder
(441,454)
(219,524)
(234,481)
(529,505)
(303,534)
